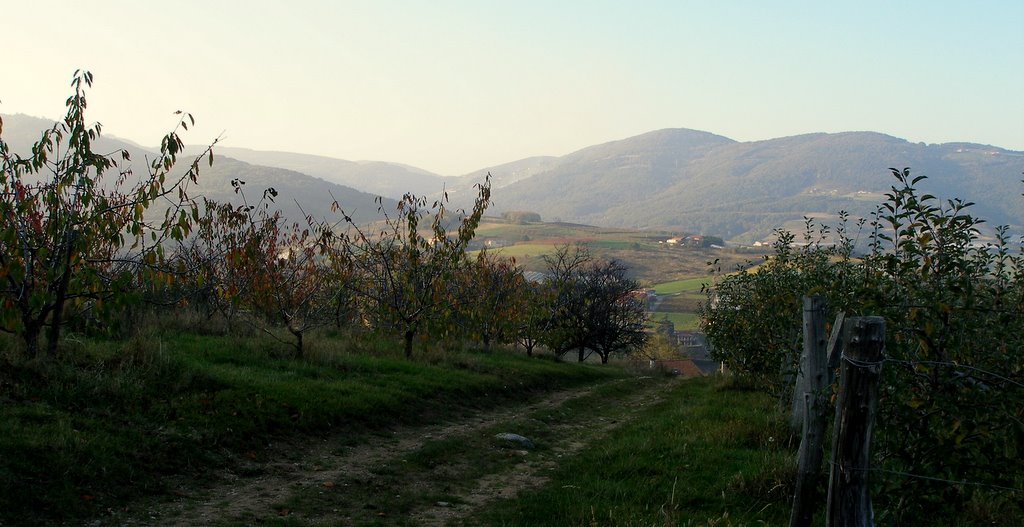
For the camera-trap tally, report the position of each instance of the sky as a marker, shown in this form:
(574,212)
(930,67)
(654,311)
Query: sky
(454,86)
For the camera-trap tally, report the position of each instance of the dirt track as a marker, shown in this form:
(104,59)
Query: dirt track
(316,485)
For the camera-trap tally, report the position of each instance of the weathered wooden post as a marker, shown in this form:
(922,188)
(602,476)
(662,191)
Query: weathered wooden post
(835,346)
(849,499)
(815,378)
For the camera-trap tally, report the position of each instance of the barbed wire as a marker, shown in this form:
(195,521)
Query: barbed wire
(875,365)
(956,365)
(928,478)
(977,309)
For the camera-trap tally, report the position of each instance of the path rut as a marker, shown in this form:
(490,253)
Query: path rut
(325,466)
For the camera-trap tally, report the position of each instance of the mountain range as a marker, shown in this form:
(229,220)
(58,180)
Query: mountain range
(299,194)
(693,181)
(672,179)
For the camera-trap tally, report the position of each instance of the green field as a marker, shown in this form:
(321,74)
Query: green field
(525,250)
(681,321)
(679,302)
(680,286)
(649,261)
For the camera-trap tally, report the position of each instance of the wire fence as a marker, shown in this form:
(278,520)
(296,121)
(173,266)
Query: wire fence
(875,367)
(931,478)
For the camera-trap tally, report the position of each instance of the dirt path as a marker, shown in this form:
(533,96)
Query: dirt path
(318,485)
(530,472)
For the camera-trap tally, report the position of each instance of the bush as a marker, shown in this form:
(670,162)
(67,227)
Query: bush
(952,389)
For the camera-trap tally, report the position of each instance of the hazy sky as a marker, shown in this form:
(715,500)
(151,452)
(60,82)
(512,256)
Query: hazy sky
(455,86)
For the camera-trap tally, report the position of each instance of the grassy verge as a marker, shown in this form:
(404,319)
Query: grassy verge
(706,455)
(111,421)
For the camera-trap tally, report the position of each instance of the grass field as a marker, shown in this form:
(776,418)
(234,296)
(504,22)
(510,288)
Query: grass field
(688,285)
(681,321)
(649,262)
(705,455)
(679,302)
(114,419)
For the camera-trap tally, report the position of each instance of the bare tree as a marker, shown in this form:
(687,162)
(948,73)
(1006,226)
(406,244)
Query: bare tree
(595,307)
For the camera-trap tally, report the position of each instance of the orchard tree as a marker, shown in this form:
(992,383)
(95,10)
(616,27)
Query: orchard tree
(209,259)
(753,318)
(952,391)
(268,267)
(405,273)
(534,317)
(490,299)
(74,225)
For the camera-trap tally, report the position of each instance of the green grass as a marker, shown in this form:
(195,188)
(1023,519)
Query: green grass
(445,469)
(515,232)
(681,321)
(707,455)
(619,244)
(680,286)
(525,249)
(111,421)
(679,302)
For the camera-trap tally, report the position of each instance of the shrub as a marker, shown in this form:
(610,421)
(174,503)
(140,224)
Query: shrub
(952,389)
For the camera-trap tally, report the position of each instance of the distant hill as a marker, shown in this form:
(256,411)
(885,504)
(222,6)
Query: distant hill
(698,182)
(21,131)
(582,185)
(391,180)
(508,173)
(673,179)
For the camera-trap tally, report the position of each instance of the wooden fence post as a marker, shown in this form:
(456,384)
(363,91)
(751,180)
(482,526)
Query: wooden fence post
(835,346)
(849,498)
(814,366)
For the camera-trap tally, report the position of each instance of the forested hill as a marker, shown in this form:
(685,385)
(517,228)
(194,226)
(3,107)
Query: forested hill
(314,194)
(391,180)
(699,182)
(673,179)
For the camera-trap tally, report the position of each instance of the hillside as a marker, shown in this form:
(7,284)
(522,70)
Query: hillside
(315,194)
(582,185)
(674,179)
(666,180)
(390,180)
(691,181)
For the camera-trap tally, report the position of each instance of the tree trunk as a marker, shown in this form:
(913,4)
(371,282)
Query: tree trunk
(409,334)
(60,297)
(581,356)
(31,338)
(53,336)
(298,341)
